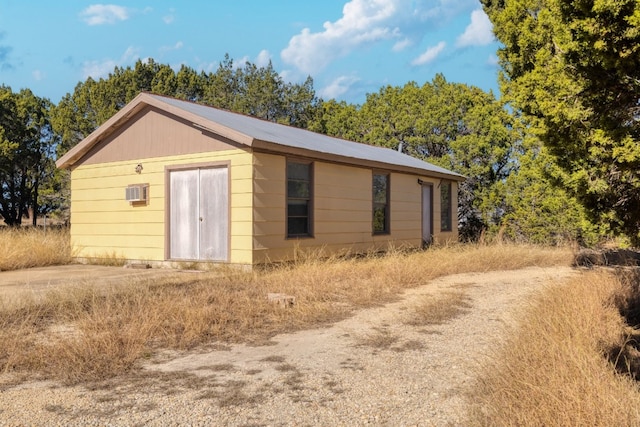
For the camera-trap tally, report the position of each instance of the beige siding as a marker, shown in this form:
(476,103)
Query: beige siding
(342,215)
(343,203)
(104,223)
(269,172)
(406,212)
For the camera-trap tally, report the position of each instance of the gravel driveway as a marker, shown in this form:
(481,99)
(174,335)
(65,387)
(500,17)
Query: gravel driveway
(372,368)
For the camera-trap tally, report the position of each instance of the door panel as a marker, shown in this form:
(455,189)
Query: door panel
(427,210)
(214,214)
(199,214)
(184,214)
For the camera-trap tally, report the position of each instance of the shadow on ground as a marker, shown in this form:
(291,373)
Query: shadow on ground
(626,356)
(607,257)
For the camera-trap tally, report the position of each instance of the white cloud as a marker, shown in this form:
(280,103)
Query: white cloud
(168,19)
(98,69)
(430,54)
(440,12)
(402,45)
(493,60)
(337,87)
(363,22)
(239,63)
(38,75)
(263,58)
(179,45)
(98,14)
(368,22)
(291,75)
(207,67)
(478,33)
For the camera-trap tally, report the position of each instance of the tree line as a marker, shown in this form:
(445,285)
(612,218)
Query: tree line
(553,160)
(571,70)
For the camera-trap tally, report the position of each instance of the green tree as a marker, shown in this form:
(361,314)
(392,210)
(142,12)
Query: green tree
(81,112)
(189,84)
(572,67)
(222,88)
(338,119)
(27,146)
(164,81)
(454,125)
(261,92)
(299,103)
(535,208)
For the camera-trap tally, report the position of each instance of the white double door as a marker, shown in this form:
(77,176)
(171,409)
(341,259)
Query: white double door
(199,214)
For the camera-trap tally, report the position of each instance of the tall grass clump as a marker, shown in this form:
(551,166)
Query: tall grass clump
(554,368)
(86,333)
(26,247)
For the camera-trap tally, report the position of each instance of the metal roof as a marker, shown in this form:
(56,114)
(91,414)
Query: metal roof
(293,137)
(252,130)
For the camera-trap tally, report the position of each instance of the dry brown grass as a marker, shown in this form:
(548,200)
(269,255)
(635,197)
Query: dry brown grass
(79,335)
(553,369)
(440,308)
(380,339)
(33,247)
(108,259)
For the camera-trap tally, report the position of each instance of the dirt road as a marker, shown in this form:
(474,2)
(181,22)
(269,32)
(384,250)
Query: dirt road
(377,367)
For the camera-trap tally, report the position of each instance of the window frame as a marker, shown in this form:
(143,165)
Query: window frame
(309,199)
(387,204)
(446,209)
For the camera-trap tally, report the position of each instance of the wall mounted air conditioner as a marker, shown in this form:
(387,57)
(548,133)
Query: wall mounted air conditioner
(137,193)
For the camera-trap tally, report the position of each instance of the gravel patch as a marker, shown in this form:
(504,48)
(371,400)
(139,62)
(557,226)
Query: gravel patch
(379,367)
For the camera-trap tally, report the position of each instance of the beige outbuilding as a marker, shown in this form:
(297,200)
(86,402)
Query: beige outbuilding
(167,181)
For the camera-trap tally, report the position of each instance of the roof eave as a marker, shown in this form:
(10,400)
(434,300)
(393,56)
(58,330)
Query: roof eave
(274,148)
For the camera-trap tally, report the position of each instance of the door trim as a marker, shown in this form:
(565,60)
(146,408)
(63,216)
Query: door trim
(167,203)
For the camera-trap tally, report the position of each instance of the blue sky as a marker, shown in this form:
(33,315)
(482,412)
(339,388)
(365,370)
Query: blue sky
(349,47)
